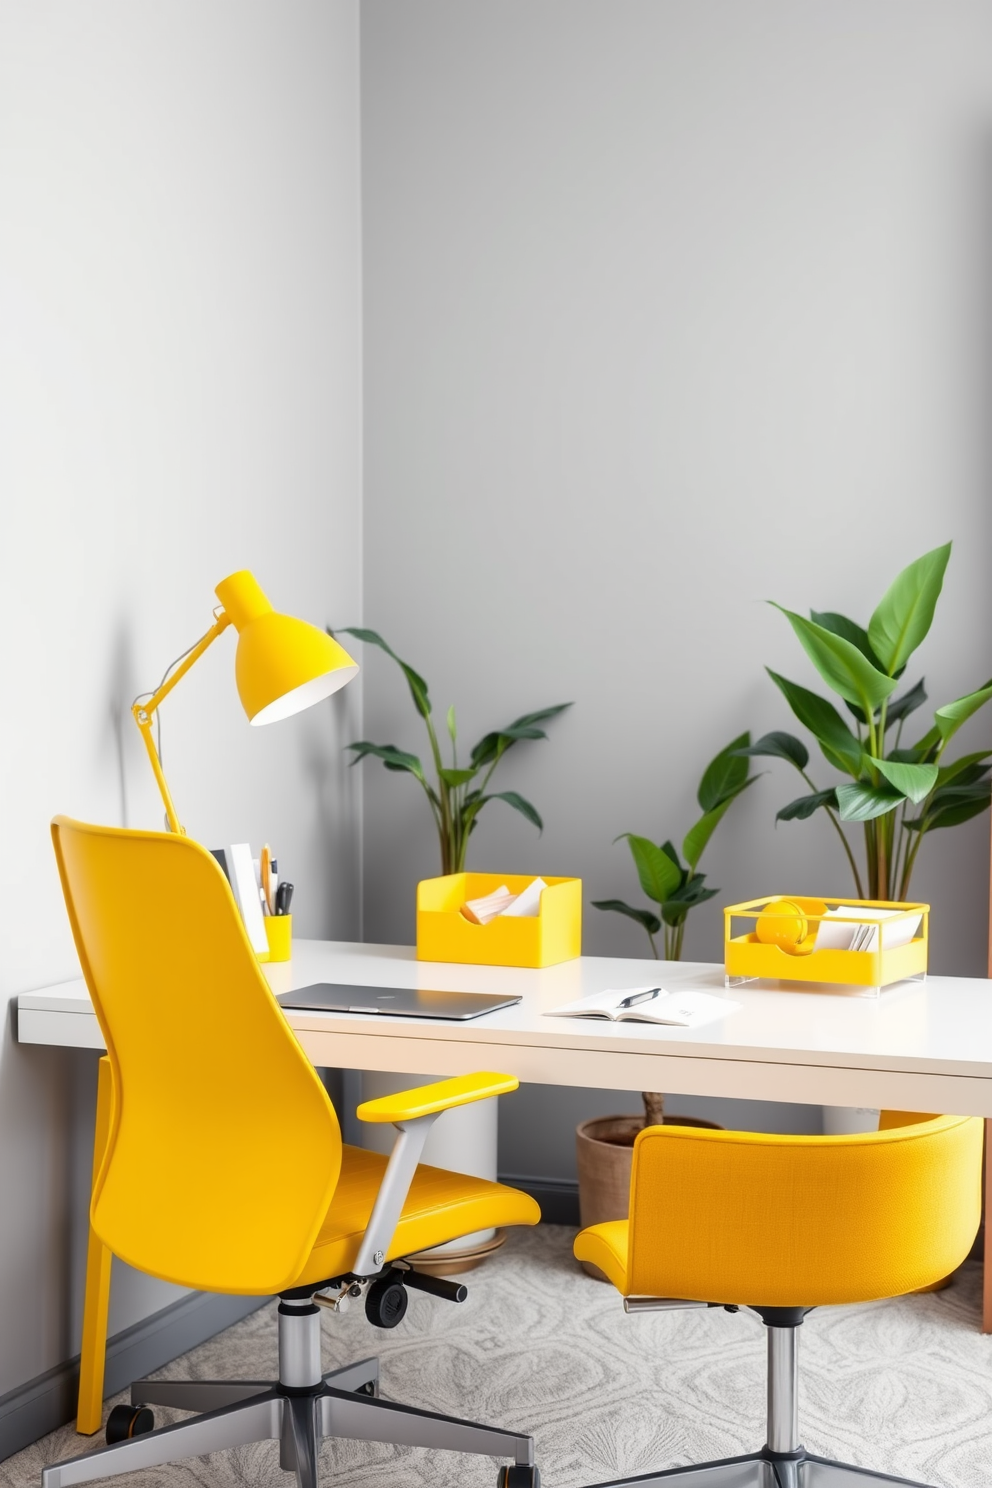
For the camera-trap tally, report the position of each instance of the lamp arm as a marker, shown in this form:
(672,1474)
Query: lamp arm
(144,713)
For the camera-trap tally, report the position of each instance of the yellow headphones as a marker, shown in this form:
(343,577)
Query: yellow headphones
(785,923)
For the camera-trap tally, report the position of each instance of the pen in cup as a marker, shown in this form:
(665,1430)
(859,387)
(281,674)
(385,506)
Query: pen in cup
(265,872)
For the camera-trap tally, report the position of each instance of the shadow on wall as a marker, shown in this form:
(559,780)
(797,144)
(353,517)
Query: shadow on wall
(121,693)
(337,795)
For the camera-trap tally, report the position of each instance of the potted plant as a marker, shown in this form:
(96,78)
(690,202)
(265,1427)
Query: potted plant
(605,1144)
(458,793)
(898,791)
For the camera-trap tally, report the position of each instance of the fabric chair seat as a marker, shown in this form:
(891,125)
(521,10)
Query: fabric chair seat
(440,1206)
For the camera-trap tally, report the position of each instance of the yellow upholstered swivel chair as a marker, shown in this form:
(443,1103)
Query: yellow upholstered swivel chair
(783,1224)
(225,1171)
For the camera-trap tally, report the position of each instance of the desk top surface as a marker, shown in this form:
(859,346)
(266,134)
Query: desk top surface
(942,1026)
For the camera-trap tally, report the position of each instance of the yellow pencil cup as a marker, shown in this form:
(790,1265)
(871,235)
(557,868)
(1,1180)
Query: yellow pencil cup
(279,934)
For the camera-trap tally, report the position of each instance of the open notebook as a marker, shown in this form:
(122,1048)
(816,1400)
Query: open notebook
(649,1005)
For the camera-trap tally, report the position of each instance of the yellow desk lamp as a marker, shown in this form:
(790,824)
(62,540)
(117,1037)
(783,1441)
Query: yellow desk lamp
(282,665)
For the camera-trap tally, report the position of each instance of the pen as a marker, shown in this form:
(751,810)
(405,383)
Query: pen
(636,997)
(284,898)
(265,869)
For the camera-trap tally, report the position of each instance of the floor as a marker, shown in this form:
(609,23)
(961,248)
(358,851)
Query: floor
(903,1386)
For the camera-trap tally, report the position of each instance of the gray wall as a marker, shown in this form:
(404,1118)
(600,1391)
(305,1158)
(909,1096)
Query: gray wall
(671,307)
(179,397)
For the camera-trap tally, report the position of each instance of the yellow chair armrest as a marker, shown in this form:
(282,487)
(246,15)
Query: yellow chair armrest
(428,1100)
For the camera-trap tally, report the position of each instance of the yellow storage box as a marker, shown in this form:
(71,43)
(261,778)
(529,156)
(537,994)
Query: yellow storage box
(444,934)
(774,939)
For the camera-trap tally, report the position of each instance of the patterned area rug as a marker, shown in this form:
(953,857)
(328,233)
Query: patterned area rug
(904,1386)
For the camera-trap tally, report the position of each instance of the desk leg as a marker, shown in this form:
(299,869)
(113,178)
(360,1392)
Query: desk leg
(987,1271)
(96,1305)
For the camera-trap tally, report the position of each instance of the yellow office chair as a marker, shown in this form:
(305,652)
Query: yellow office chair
(783,1224)
(225,1171)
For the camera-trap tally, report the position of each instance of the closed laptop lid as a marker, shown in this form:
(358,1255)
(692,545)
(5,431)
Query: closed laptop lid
(397,1002)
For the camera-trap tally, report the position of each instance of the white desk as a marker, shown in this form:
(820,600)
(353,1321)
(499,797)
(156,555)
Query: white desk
(919,1047)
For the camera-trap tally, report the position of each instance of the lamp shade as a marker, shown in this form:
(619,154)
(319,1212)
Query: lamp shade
(283,665)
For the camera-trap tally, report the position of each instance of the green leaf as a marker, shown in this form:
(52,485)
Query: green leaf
(415,682)
(650,922)
(951,716)
(914,781)
(452,727)
(674,911)
(965,764)
(500,740)
(692,892)
(780,746)
(725,775)
(698,836)
(517,801)
(840,664)
(822,719)
(849,630)
(702,896)
(669,849)
(955,815)
(905,613)
(658,874)
(952,807)
(954,795)
(456,777)
(804,806)
(861,802)
(392,758)
(901,707)
(541,716)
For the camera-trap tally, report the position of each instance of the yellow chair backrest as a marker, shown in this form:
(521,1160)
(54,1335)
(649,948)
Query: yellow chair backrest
(224,1150)
(801,1221)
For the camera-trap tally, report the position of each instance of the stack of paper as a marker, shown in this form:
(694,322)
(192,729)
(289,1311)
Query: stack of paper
(525,905)
(481,911)
(841,936)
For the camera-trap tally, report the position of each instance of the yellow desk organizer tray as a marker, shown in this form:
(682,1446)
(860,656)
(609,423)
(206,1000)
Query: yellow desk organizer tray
(444,934)
(774,939)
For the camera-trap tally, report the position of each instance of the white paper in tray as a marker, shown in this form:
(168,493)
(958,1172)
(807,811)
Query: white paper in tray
(834,935)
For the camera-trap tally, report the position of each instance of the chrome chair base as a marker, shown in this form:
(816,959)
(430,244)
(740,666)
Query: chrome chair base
(237,1412)
(782,1462)
(760,1471)
(298,1411)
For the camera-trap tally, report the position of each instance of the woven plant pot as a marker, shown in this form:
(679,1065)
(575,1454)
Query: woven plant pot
(604,1148)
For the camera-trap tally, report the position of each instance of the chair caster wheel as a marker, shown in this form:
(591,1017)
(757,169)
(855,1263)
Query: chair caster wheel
(126,1421)
(386,1302)
(518,1477)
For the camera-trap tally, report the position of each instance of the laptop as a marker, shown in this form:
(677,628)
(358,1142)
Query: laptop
(397,1002)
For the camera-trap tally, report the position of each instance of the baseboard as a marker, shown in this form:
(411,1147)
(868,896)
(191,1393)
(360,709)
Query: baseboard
(49,1400)
(558,1197)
